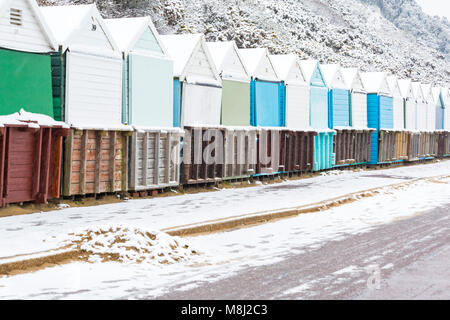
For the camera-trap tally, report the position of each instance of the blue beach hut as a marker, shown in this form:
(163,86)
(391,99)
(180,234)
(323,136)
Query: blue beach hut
(338,96)
(324,157)
(380,107)
(266,89)
(445,92)
(439,105)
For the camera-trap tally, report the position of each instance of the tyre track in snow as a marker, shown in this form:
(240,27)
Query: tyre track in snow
(337,270)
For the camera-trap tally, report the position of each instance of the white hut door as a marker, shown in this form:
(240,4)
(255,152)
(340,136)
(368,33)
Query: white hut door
(93,90)
(297,106)
(410,116)
(399,114)
(201,105)
(359,110)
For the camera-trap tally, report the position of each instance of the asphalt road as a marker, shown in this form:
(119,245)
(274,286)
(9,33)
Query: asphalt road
(406,259)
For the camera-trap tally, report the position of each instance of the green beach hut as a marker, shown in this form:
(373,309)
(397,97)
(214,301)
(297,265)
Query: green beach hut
(25,60)
(235,83)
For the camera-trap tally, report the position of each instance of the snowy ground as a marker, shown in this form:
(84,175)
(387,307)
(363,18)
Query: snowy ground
(221,255)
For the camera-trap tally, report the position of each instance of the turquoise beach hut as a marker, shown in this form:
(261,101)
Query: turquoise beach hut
(380,105)
(324,158)
(148,73)
(338,96)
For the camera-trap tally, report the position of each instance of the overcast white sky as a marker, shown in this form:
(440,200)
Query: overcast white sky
(436,7)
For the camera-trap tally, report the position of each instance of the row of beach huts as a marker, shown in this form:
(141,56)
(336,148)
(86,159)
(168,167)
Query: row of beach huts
(91,106)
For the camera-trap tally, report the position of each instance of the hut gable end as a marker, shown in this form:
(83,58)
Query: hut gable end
(148,42)
(23,28)
(233,67)
(265,69)
(199,66)
(296,73)
(394,86)
(91,34)
(80,28)
(317,78)
(258,64)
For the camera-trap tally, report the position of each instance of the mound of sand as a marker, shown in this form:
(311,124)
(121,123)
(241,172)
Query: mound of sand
(130,245)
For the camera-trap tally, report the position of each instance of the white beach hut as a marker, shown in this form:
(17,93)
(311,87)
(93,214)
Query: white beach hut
(197,83)
(399,113)
(409,103)
(297,101)
(358,97)
(421,115)
(91,91)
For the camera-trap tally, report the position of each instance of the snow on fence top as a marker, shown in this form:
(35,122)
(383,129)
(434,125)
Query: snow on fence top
(32,120)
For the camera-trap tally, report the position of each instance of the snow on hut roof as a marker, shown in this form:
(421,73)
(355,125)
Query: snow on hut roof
(349,75)
(333,76)
(253,59)
(32,120)
(426,89)
(285,64)
(308,67)
(417,90)
(127,31)
(180,48)
(220,50)
(445,92)
(393,85)
(40,20)
(375,82)
(405,88)
(64,21)
(436,91)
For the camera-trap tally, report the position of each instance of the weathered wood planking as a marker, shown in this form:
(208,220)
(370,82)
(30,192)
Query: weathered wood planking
(95,162)
(413,146)
(270,146)
(239,153)
(352,146)
(30,163)
(154,159)
(443,148)
(297,154)
(197,170)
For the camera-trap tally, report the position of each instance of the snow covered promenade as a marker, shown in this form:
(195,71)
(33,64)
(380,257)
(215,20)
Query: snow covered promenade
(41,231)
(371,230)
